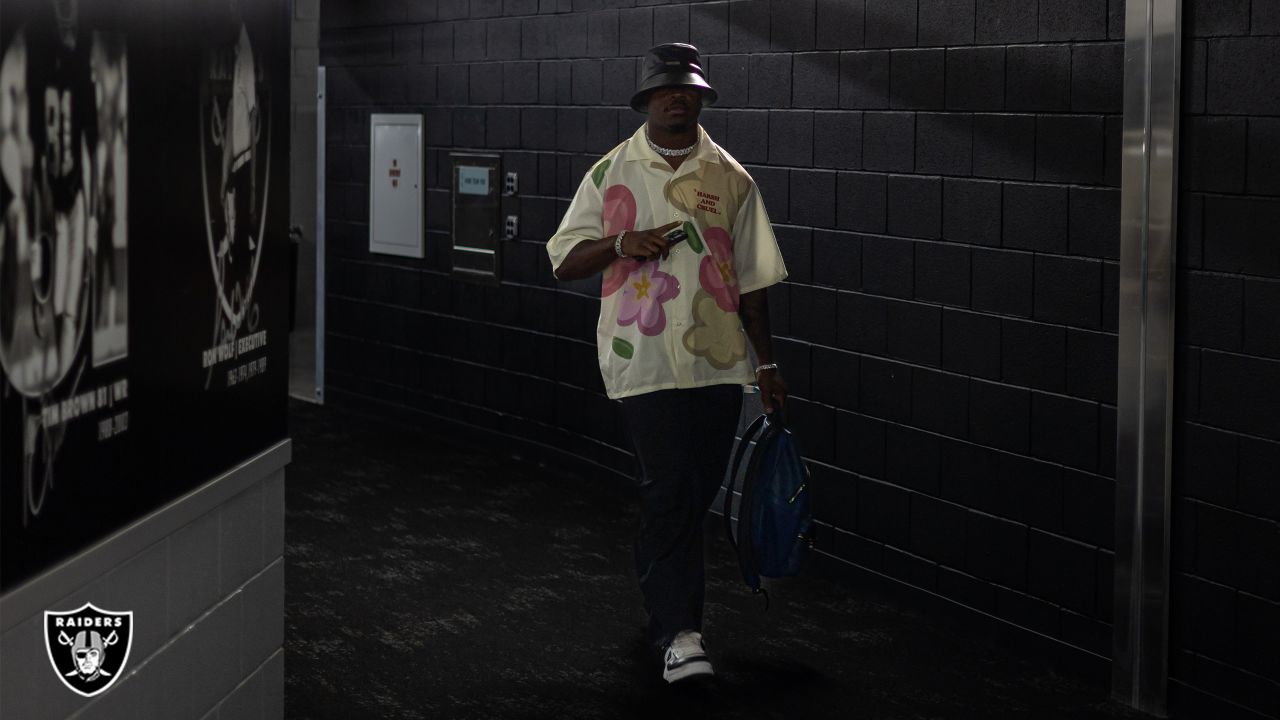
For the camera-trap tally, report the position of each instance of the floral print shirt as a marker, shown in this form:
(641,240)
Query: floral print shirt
(673,323)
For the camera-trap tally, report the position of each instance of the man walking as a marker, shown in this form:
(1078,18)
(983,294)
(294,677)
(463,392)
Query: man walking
(676,299)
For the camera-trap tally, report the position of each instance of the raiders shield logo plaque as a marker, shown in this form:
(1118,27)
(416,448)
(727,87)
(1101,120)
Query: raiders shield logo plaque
(88,647)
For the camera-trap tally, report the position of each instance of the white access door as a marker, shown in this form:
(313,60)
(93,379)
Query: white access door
(395,184)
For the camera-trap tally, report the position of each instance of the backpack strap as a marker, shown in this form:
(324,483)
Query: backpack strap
(746,507)
(745,545)
(741,450)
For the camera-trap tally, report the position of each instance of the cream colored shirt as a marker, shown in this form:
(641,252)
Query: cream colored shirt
(673,323)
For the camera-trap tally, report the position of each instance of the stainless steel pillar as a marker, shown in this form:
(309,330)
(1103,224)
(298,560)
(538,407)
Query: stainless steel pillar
(306,173)
(320,231)
(1144,415)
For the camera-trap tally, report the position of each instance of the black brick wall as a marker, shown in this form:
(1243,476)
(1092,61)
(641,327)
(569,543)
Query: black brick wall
(944,179)
(1226,474)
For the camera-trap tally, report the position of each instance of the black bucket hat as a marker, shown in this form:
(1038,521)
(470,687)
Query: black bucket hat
(672,64)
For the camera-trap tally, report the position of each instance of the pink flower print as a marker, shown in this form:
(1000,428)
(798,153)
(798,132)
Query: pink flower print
(643,294)
(716,271)
(619,210)
(616,275)
(619,215)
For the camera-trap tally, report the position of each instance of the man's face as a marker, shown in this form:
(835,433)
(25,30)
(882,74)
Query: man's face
(675,108)
(87,660)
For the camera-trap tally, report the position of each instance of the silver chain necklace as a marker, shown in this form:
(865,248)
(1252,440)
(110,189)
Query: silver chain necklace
(681,152)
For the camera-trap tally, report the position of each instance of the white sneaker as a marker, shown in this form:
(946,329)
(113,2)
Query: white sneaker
(685,656)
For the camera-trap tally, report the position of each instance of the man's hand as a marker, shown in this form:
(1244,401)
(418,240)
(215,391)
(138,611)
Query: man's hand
(648,244)
(773,390)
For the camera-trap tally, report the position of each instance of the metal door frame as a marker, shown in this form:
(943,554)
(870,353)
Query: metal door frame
(320,211)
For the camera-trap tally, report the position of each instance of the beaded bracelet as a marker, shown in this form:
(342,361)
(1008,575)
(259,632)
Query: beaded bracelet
(766,366)
(617,244)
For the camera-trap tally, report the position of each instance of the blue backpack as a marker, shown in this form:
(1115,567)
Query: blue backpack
(775,522)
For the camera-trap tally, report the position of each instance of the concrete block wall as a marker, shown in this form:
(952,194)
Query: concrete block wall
(943,176)
(208,612)
(1226,533)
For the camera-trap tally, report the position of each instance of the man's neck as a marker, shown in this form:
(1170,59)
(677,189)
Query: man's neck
(672,138)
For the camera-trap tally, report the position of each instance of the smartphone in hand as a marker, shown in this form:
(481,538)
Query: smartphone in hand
(673,237)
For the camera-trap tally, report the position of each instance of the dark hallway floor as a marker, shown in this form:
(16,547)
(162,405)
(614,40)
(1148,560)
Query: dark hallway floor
(429,575)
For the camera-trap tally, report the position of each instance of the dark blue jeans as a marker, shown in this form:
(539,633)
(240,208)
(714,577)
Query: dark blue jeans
(682,440)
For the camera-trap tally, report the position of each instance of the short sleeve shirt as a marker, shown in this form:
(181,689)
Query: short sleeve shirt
(673,323)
